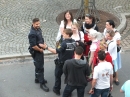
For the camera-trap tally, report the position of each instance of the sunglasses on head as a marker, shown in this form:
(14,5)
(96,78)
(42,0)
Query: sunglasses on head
(87,15)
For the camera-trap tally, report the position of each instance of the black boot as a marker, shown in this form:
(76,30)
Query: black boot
(44,87)
(45,81)
(57,92)
(37,81)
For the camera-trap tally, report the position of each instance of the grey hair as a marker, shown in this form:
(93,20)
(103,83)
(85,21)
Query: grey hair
(93,33)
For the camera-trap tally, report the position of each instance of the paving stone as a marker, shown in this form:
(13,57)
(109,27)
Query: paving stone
(16,17)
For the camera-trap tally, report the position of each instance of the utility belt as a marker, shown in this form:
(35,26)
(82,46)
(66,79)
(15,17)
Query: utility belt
(58,62)
(32,51)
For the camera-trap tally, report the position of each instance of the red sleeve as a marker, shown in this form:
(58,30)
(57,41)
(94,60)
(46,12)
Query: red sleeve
(86,39)
(95,59)
(109,58)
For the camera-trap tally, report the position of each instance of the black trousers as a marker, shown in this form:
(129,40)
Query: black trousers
(69,89)
(58,74)
(39,66)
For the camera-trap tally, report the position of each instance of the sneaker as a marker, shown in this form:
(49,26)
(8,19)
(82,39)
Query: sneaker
(56,92)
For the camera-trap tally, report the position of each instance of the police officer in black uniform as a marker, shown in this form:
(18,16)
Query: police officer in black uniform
(35,38)
(65,52)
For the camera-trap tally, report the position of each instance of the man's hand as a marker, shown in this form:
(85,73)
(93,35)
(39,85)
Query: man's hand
(91,91)
(43,46)
(111,88)
(41,50)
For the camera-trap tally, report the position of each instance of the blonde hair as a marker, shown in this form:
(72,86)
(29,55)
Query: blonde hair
(103,45)
(75,24)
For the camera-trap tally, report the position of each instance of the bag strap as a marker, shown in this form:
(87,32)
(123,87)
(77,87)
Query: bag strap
(79,35)
(108,44)
(84,27)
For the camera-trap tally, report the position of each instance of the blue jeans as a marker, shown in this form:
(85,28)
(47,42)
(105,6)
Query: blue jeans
(69,89)
(102,92)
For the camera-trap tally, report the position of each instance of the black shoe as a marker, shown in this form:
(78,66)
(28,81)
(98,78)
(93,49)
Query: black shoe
(36,80)
(116,82)
(44,87)
(70,95)
(56,92)
(45,81)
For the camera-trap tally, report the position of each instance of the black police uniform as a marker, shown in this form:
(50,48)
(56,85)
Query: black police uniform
(35,37)
(65,52)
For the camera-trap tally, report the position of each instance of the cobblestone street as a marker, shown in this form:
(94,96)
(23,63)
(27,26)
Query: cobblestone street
(16,65)
(16,18)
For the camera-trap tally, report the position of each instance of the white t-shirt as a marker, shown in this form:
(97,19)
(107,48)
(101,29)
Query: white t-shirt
(62,26)
(78,37)
(117,36)
(112,48)
(102,73)
(93,46)
(104,32)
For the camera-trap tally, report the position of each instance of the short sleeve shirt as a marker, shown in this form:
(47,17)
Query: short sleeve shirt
(126,88)
(102,73)
(93,46)
(117,36)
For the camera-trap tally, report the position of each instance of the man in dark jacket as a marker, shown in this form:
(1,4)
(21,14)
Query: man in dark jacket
(35,38)
(75,71)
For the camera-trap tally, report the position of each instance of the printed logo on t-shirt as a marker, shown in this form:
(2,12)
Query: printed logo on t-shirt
(71,46)
(105,73)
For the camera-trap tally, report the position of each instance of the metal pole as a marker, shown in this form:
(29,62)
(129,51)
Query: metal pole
(86,4)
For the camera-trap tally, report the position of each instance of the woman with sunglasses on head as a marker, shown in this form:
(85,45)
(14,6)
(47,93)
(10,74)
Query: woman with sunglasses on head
(89,23)
(66,23)
(110,25)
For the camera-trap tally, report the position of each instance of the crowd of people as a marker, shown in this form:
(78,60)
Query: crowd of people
(82,57)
